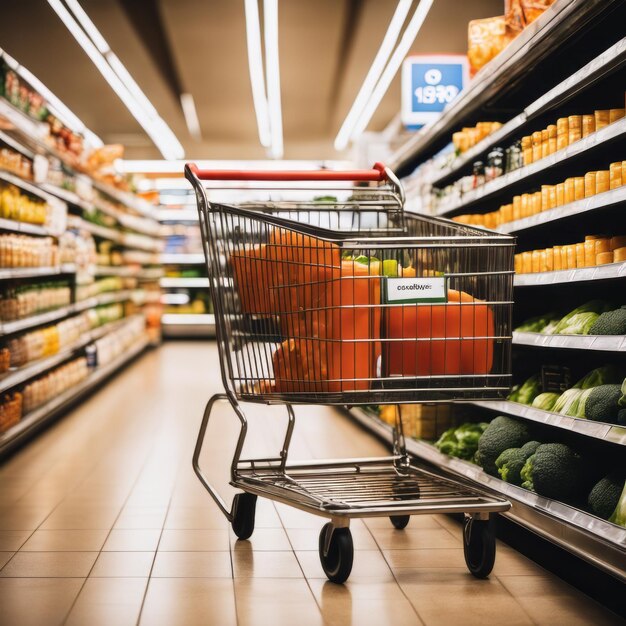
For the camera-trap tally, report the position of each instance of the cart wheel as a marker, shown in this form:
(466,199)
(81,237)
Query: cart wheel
(244,505)
(400,521)
(337,564)
(479,546)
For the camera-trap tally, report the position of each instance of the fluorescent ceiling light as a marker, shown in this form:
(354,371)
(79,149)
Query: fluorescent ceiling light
(255,64)
(120,80)
(393,66)
(191,115)
(382,56)
(272,69)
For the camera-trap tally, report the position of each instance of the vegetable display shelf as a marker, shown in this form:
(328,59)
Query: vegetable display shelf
(513,74)
(605,63)
(32,272)
(608,199)
(581,274)
(30,370)
(51,409)
(608,343)
(594,142)
(599,542)
(597,430)
(188,324)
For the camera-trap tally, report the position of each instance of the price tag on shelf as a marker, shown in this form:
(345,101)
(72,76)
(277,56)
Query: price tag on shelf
(429,84)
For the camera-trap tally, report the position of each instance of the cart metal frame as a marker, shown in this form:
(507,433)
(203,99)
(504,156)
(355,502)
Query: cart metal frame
(338,490)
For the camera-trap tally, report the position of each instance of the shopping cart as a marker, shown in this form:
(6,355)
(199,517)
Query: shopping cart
(349,300)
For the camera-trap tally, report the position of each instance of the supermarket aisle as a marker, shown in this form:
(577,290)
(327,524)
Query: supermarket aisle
(103,522)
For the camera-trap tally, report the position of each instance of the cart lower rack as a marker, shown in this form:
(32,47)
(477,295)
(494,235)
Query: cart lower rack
(305,313)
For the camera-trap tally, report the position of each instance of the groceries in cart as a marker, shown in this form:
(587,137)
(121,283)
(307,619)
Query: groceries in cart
(351,318)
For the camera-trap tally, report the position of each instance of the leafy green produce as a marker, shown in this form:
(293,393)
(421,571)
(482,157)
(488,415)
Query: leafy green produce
(537,324)
(610,323)
(605,375)
(566,401)
(461,442)
(511,461)
(554,471)
(501,434)
(602,403)
(514,395)
(546,401)
(622,400)
(529,390)
(581,319)
(605,495)
(619,515)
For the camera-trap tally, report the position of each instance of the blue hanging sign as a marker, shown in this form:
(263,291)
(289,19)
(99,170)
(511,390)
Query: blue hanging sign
(429,84)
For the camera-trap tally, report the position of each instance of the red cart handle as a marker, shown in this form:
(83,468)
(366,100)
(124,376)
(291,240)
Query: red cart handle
(376,174)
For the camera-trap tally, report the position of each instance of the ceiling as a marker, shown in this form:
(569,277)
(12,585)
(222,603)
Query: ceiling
(199,46)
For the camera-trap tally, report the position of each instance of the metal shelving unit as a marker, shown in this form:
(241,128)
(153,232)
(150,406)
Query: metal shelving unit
(32,272)
(184,282)
(188,324)
(581,274)
(607,343)
(599,542)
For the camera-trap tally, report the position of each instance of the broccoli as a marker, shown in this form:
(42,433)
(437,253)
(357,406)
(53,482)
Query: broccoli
(461,442)
(554,471)
(511,461)
(610,323)
(602,403)
(501,434)
(545,401)
(605,495)
(580,320)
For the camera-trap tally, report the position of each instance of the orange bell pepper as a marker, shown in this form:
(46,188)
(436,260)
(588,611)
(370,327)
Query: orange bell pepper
(454,350)
(252,279)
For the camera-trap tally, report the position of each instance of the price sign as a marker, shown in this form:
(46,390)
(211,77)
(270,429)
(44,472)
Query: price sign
(429,84)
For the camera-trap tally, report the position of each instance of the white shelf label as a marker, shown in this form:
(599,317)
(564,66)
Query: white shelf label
(415,290)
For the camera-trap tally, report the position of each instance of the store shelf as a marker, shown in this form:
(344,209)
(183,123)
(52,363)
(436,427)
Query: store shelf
(126,198)
(597,430)
(601,543)
(115,270)
(24,228)
(607,343)
(27,186)
(8,328)
(24,373)
(187,325)
(182,259)
(596,69)
(610,133)
(184,282)
(39,416)
(606,200)
(177,215)
(96,229)
(16,145)
(599,272)
(31,272)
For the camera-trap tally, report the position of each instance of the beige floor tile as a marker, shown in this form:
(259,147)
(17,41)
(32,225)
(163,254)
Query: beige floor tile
(275,602)
(549,601)
(189,602)
(366,564)
(5,557)
(428,558)
(106,601)
(263,539)
(265,564)
(454,596)
(414,539)
(123,565)
(209,540)
(195,518)
(49,565)
(363,602)
(77,517)
(22,517)
(266,515)
(65,541)
(132,540)
(192,565)
(307,539)
(37,601)
(141,517)
(11,540)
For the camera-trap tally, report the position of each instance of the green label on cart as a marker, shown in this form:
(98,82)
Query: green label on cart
(416,290)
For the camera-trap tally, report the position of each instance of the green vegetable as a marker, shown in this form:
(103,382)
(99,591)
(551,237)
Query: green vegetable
(546,401)
(619,515)
(461,442)
(514,395)
(602,403)
(501,434)
(529,390)
(622,400)
(604,497)
(537,324)
(554,471)
(566,400)
(511,461)
(325,199)
(610,323)
(606,375)
(549,328)
(581,319)
(390,268)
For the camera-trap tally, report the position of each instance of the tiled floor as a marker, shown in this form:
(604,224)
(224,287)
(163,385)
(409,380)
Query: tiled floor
(102,521)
